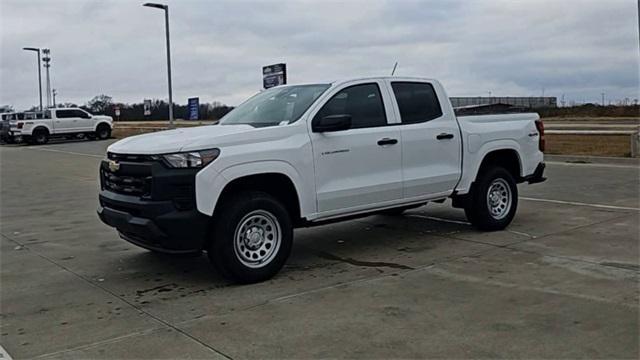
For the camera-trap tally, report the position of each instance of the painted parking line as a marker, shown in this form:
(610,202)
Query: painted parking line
(589,164)
(601,206)
(4,355)
(64,152)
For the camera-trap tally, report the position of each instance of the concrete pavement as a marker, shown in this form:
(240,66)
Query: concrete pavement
(561,282)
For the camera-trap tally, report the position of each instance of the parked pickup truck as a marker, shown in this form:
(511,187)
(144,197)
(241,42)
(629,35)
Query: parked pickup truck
(302,155)
(38,127)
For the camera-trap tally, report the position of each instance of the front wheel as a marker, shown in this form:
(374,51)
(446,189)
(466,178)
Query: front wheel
(494,200)
(252,237)
(103,132)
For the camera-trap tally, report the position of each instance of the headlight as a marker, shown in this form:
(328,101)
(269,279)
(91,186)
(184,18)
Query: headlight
(192,159)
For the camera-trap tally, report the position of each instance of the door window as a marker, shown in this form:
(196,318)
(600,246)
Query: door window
(362,102)
(418,102)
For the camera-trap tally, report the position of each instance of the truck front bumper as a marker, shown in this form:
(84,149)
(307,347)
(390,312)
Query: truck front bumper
(154,225)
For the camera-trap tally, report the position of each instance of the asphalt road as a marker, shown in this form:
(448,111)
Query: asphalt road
(561,282)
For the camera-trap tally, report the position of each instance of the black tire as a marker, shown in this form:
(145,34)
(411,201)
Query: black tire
(103,132)
(492,211)
(270,220)
(39,137)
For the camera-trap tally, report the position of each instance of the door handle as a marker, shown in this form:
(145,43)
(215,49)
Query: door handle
(387,141)
(444,136)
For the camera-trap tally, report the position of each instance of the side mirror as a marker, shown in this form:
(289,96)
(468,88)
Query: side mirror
(331,123)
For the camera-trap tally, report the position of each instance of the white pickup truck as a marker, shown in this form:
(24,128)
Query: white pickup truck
(38,127)
(301,155)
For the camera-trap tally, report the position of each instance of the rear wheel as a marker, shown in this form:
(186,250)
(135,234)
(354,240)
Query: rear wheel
(494,200)
(39,137)
(103,132)
(252,237)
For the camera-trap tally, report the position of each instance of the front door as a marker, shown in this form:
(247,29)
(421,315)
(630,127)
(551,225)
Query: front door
(359,167)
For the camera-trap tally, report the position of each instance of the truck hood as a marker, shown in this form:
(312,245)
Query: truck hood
(177,140)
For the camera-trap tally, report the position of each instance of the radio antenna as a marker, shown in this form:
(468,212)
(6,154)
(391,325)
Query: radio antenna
(394,68)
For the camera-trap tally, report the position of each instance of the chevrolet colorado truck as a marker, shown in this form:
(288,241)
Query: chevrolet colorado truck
(302,155)
(38,127)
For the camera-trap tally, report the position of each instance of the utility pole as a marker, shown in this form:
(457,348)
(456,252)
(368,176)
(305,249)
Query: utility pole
(166,24)
(603,104)
(39,72)
(47,64)
(54,93)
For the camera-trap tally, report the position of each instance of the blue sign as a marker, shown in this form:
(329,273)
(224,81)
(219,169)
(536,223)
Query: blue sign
(274,75)
(194,108)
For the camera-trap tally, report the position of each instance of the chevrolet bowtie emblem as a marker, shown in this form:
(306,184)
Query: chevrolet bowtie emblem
(114,166)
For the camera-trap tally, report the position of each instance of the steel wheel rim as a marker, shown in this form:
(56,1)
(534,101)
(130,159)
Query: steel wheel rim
(257,239)
(499,199)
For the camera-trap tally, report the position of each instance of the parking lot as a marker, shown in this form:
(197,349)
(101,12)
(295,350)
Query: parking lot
(561,282)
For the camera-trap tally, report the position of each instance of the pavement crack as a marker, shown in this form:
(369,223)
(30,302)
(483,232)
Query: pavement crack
(110,292)
(374,264)
(160,288)
(619,265)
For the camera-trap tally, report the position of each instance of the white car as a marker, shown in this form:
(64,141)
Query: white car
(39,127)
(302,155)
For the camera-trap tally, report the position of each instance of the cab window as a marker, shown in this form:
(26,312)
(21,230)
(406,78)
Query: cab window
(362,102)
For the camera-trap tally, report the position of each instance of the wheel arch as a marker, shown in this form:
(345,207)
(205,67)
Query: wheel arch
(274,177)
(506,158)
(40,127)
(100,123)
(275,184)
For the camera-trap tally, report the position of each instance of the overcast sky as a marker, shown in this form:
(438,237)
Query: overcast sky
(511,48)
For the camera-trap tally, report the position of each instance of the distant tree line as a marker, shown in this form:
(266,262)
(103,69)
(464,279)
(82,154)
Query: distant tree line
(104,105)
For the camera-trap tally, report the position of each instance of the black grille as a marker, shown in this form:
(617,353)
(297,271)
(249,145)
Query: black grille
(126,184)
(131,157)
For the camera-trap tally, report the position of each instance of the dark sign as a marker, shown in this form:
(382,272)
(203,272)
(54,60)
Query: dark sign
(147,107)
(274,75)
(194,108)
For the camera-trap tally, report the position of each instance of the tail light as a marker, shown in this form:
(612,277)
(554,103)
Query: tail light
(541,141)
(20,124)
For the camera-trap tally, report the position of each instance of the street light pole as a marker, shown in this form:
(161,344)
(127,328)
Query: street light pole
(39,72)
(166,23)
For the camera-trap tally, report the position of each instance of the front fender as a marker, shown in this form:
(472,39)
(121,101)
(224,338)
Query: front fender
(210,182)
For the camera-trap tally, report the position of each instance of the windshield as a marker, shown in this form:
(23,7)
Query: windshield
(276,106)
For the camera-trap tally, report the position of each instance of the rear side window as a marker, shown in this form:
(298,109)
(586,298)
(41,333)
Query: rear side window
(418,102)
(362,102)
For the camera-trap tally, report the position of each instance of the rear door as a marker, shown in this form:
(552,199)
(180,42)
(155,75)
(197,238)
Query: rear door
(431,144)
(357,168)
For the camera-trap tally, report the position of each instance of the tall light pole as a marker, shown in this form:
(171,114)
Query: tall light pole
(166,23)
(47,64)
(39,72)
